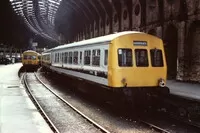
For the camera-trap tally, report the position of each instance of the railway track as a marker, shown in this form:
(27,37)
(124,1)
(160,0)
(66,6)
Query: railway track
(148,124)
(155,127)
(75,109)
(40,109)
(152,126)
(51,124)
(182,111)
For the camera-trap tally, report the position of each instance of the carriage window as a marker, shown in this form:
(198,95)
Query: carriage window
(80,57)
(48,57)
(66,56)
(70,58)
(75,59)
(125,57)
(156,57)
(63,56)
(141,57)
(87,55)
(105,57)
(96,57)
(57,58)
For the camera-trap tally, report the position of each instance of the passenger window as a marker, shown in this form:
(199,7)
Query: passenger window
(63,56)
(141,58)
(70,58)
(125,57)
(75,60)
(106,57)
(156,57)
(55,57)
(96,57)
(66,56)
(87,55)
(80,57)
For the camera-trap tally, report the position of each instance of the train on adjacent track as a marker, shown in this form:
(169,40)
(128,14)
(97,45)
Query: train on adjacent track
(31,59)
(127,62)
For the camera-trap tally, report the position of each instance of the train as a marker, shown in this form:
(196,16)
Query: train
(31,59)
(128,62)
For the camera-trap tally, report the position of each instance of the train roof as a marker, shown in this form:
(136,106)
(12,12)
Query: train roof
(101,39)
(30,51)
(46,51)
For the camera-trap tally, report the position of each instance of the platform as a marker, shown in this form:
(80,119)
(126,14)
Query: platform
(17,112)
(183,89)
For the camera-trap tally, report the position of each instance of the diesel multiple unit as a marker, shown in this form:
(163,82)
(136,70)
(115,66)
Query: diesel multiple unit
(30,59)
(127,60)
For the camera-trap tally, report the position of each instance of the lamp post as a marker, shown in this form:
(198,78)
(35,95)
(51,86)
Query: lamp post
(3,48)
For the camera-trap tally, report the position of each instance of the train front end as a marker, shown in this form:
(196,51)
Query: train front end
(30,59)
(137,62)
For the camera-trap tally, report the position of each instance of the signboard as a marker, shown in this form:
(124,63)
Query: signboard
(34,44)
(139,43)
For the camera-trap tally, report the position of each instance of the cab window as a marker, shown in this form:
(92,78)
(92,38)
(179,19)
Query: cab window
(33,57)
(156,57)
(141,58)
(125,57)
(25,57)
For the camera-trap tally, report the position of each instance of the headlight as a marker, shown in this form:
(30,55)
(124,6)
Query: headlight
(161,82)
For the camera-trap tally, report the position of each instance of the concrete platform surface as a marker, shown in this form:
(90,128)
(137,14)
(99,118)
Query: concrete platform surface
(183,89)
(17,112)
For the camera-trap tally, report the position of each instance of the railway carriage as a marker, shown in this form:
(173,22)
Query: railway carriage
(127,61)
(46,59)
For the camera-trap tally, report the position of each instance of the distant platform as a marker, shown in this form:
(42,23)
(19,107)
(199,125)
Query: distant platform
(183,89)
(17,112)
